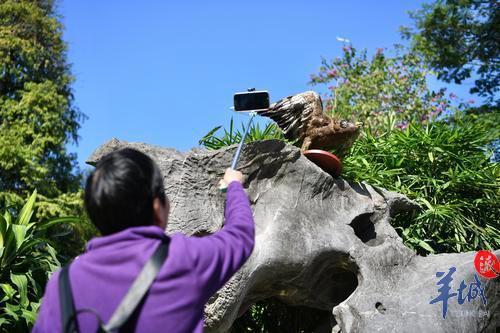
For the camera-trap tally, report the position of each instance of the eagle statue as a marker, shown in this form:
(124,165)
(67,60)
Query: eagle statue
(301,118)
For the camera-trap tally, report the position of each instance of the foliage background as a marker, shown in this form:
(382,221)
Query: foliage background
(37,115)
(37,119)
(428,144)
(27,259)
(460,40)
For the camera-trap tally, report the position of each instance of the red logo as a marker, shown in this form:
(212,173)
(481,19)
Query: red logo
(487,264)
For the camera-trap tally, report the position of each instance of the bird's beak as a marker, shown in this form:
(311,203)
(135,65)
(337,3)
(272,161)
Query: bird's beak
(358,124)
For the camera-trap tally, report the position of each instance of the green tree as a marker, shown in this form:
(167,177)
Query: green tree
(460,39)
(369,88)
(37,114)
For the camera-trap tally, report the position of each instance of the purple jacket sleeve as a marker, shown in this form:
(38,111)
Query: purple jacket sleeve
(218,256)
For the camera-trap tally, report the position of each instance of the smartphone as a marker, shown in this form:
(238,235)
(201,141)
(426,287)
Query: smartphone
(251,101)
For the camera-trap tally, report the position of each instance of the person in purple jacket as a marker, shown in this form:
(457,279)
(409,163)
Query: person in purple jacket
(124,198)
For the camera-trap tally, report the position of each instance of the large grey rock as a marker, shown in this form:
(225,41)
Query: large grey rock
(321,242)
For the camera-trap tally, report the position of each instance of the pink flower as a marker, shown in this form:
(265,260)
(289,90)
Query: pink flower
(471,101)
(436,112)
(332,73)
(403,125)
(452,96)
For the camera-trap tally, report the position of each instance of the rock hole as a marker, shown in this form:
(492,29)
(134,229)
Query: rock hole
(332,279)
(364,229)
(380,307)
(273,315)
(304,303)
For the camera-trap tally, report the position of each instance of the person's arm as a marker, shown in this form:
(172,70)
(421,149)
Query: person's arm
(218,256)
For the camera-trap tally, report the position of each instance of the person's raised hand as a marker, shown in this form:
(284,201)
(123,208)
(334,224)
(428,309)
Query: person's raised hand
(229,176)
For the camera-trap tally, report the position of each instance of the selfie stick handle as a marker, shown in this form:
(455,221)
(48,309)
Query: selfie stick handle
(223,187)
(238,151)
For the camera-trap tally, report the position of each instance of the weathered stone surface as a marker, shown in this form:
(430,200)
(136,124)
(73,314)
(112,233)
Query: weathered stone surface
(320,242)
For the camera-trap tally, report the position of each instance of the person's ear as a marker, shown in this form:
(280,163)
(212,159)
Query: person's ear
(160,213)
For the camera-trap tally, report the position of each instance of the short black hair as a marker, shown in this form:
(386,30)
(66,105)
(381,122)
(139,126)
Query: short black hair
(119,193)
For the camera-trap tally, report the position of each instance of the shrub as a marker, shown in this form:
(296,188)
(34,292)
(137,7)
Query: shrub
(233,136)
(27,259)
(444,167)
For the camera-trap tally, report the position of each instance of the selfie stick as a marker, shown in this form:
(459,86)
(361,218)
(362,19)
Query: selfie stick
(223,187)
(238,151)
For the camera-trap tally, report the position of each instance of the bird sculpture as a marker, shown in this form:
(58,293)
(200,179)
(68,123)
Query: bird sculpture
(301,118)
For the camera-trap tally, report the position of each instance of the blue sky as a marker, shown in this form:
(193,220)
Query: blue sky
(164,72)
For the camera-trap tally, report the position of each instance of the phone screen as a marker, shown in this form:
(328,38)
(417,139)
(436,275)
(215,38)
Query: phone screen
(255,100)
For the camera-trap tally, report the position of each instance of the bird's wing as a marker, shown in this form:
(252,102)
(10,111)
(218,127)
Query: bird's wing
(293,113)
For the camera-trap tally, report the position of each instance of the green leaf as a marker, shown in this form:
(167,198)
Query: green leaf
(7,217)
(10,247)
(3,229)
(35,306)
(12,310)
(209,135)
(21,282)
(27,211)
(8,291)
(29,316)
(61,220)
(3,321)
(53,255)
(427,203)
(19,234)
(425,246)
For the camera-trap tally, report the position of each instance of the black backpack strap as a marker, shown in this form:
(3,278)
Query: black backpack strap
(67,305)
(139,288)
